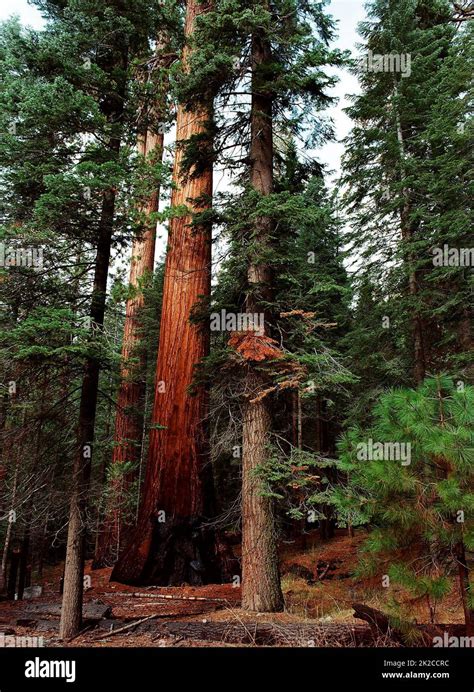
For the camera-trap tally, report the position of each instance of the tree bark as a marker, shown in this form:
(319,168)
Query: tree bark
(13,571)
(261,589)
(407,233)
(9,531)
(465,588)
(129,419)
(71,612)
(169,545)
(25,568)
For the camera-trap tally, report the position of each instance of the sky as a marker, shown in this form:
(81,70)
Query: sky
(348,14)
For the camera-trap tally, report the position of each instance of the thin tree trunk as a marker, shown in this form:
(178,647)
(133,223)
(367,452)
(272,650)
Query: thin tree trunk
(261,589)
(465,588)
(465,330)
(407,232)
(71,613)
(169,545)
(3,445)
(9,532)
(25,568)
(13,572)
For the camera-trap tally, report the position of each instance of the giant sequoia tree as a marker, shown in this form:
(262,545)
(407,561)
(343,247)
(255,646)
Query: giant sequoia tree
(250,374)
(129,419)
(168,545)
(277,62)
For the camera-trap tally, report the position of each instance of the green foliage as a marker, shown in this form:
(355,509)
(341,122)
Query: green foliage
(422,510)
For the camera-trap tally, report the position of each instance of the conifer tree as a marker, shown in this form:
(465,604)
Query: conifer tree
(94,73)
(277,62)
(169,545)
(130,401)
(398,126)
(413,470)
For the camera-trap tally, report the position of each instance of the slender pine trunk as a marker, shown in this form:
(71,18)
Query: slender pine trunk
(9,531)
(261,589)
(407,233)
(71,612)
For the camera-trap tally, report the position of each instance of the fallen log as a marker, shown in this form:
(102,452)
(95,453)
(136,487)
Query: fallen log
(259,634)
(170,597)
(272,634)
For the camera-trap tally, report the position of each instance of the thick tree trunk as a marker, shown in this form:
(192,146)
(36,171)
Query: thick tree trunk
(169,544)
(130,404)
(261,590)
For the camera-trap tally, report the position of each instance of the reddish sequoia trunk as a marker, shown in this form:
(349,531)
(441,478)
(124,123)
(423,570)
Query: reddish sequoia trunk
(130,404)
(169,545)
(261,590)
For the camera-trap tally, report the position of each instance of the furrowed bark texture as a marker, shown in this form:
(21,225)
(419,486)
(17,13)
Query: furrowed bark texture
(169,545)
(130,402)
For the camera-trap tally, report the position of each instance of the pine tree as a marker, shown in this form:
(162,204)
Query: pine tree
(413,470)
(393,230)
(74,58)
(276,61)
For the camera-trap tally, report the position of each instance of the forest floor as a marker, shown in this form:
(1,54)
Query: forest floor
(317,583)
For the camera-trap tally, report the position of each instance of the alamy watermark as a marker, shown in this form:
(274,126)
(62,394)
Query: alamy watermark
(384,451)
(16,256)
(389,62)
(41,668)
(453,642)
(224,321)
(453,256)
(10,641)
